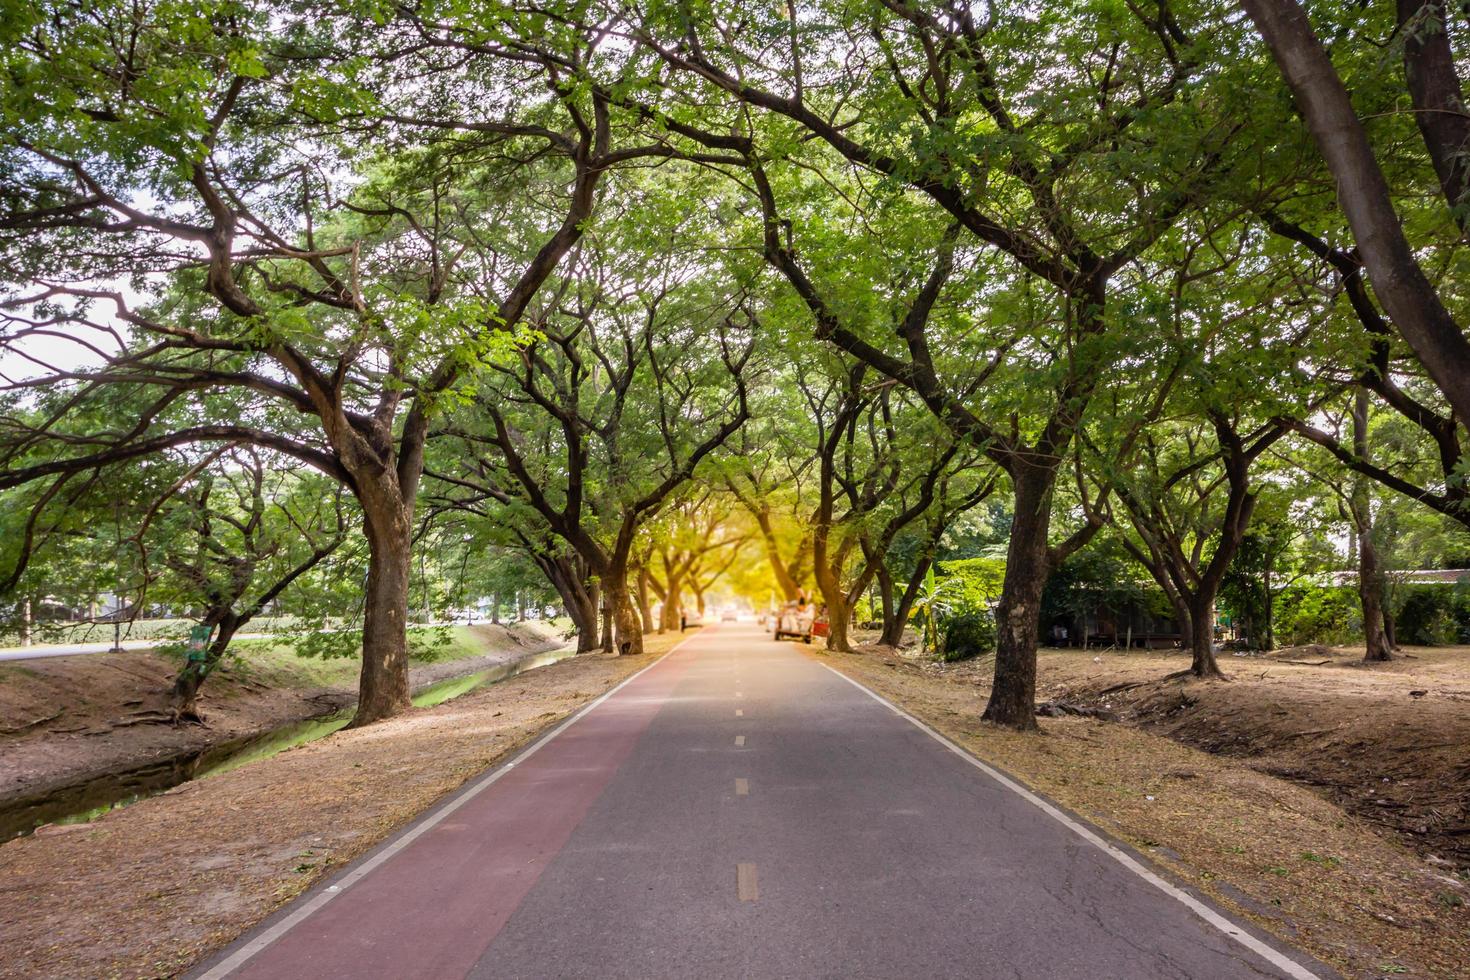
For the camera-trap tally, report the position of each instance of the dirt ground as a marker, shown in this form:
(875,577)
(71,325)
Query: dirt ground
(147,890)
(1388,742)
(64,719)
(1296,860)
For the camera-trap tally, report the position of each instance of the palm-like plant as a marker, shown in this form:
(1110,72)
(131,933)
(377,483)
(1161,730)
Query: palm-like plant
(932,603)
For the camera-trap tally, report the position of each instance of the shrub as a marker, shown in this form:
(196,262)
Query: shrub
(968,633)
(973,583)
(1433,615)
(1319,614)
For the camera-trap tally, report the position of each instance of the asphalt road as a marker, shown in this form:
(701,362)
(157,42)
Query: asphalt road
(740,810)
(86,649)
(42,651)
(71,649)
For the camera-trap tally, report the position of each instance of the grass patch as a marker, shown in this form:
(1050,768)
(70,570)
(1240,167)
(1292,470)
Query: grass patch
(1326,860)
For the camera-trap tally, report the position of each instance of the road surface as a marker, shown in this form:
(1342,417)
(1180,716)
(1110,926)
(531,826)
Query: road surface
(71,649)
(40,651)
(741,810)
(84,649)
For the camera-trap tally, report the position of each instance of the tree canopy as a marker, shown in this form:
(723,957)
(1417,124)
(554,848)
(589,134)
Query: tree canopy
(617,293)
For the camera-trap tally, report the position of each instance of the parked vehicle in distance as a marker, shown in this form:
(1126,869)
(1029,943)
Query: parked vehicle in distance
(728,615)
(796,620)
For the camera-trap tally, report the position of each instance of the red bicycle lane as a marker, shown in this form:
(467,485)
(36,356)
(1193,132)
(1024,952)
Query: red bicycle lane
(436,896)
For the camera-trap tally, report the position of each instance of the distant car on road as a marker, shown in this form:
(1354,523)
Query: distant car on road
(728,616)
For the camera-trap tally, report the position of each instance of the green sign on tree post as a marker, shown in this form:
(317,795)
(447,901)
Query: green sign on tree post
(198,648)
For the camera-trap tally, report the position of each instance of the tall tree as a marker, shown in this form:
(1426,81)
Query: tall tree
(205,147)
(880,464)
(767,469)
(232,535)
(1189,500)
(959,486)
(995,146)
(1393,375)
(695,545)
(610,409)
(1414,306)
(1356,505)
(1370,568)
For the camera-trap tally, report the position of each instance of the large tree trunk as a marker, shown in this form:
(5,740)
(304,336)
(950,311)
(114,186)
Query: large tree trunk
(383,683)
(1439,104)
(184,696)
(645,602)
(668,619)
(1406,293)
(1018,616)
(627,628)
(1184,617)
(839,617)
(582,607)
(1370,573)
(790,587)
(893,627)
(1370,594)
(1202,635)
(584,599)
(578,596)
(836,600)
(495,608)
(588,636)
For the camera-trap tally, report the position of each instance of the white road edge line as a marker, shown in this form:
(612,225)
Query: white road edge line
(253,948)
(1269,953)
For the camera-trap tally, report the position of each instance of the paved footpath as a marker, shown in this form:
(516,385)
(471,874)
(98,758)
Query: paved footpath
(740,810)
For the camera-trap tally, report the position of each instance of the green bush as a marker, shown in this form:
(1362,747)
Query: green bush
(967,633)
(973,583)
(1319,614)
(1424,615)
(1432,615)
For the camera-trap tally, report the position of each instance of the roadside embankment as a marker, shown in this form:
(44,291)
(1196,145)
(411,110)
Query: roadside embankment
(64,721)
(1389,742)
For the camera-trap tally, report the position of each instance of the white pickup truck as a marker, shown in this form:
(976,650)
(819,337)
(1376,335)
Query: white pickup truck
(795,621)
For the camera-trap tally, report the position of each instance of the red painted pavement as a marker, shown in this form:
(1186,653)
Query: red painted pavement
(432,909)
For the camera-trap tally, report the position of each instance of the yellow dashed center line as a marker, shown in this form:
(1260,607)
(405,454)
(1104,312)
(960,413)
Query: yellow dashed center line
(745,886)
(742,787)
